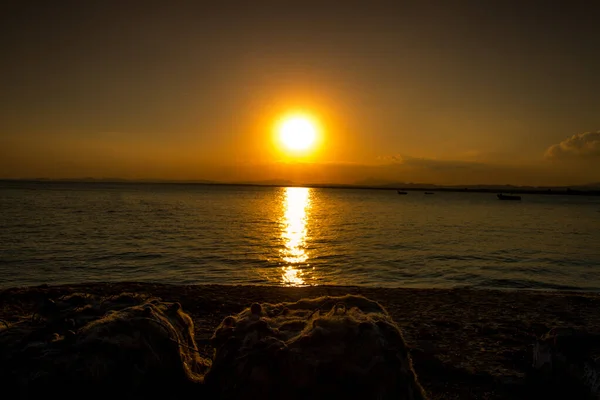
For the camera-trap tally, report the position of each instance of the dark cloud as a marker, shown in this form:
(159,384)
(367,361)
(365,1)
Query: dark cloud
(581,145)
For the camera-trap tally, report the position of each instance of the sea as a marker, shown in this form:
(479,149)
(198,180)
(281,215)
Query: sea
(64,232)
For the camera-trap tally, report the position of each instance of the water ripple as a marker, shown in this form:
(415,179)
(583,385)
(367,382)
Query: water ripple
(63,233)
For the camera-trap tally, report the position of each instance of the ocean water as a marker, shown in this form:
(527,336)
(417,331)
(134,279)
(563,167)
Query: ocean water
(184,234)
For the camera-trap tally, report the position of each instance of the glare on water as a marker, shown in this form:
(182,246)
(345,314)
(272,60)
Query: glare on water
(296,205)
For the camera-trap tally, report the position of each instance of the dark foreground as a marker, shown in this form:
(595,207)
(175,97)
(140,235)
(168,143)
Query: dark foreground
(465,344)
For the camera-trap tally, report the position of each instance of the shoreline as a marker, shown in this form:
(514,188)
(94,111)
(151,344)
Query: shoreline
(466,343)
(549,289)
(546,190)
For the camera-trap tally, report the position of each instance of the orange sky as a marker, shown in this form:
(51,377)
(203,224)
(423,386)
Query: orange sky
(422,92)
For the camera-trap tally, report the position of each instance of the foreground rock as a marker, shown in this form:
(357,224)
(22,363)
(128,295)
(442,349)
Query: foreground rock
(567,363)
(82,346)
(465,344)
(329,347)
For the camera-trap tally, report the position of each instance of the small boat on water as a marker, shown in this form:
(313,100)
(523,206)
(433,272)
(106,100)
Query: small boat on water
(429,193)
(508,197)
(401,192)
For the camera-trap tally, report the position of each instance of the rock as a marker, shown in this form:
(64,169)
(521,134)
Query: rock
(329,347)
(90,347)
(564,357)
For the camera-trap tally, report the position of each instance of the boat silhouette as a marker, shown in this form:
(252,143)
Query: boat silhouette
(508,197)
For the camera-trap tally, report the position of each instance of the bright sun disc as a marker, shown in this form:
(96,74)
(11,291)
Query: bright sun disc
(297,133)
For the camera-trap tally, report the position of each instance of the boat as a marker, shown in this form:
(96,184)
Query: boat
(508,197)
(429,193)
(401,192)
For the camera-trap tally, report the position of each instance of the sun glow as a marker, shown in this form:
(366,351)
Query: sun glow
(297,133)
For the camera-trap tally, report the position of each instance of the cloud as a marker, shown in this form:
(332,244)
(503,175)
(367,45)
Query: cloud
(405,168)
(429,163)
(581,145)
(433,164)
(396,158)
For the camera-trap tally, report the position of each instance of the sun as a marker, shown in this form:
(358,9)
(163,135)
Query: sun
(297,133)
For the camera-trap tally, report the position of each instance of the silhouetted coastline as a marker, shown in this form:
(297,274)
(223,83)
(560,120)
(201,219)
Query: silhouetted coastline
(558,190)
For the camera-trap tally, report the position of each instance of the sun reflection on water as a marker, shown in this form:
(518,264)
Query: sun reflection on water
(296,206)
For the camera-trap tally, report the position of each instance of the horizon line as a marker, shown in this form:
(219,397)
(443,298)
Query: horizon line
(587,188)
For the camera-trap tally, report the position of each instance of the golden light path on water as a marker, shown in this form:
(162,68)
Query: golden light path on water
(296,206)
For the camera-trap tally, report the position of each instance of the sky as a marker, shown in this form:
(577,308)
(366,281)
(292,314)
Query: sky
(428,91)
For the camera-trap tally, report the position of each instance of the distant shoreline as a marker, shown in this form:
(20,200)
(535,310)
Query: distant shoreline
(565,191)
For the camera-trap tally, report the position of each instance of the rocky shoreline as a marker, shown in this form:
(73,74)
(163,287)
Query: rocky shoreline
(464,344)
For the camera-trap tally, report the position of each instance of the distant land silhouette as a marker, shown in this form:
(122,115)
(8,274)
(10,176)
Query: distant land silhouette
(591,189)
